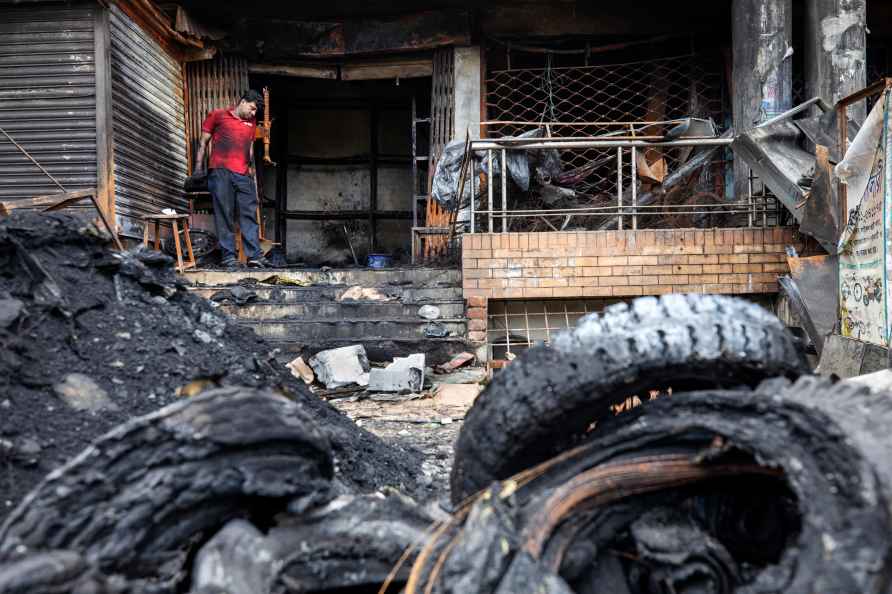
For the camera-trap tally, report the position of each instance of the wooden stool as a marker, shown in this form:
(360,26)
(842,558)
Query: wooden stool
(174,221)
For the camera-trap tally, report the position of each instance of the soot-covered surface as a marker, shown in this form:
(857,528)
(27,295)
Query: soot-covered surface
(129,331)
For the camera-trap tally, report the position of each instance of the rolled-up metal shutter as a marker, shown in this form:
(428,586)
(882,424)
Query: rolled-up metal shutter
(149,124)
(47,99)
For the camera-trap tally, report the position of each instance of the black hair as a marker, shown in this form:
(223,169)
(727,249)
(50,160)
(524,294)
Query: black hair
(252,96)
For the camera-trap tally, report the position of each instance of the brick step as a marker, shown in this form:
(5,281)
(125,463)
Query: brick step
(334,311)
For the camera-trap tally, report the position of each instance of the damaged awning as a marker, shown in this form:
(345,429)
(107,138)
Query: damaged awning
(792,158)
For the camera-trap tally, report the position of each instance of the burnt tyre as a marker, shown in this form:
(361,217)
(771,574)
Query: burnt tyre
(551,396)
(781,489)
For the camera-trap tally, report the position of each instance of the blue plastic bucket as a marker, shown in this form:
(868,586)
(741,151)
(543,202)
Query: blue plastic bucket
(379,261)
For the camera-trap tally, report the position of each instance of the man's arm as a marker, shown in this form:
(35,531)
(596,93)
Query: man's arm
(251,160)
(200,164)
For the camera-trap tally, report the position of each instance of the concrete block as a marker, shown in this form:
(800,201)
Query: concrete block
(341,367)
(405,374)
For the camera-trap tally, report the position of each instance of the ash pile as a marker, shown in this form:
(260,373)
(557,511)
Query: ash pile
(136,423)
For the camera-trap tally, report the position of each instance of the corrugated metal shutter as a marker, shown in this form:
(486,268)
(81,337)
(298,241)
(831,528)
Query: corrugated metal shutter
(47,99)
(149,124)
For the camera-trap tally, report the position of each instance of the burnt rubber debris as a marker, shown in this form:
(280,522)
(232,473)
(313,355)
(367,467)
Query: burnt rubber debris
(148,445)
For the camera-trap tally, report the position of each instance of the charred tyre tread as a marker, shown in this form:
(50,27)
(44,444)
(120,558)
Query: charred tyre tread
(827,444)
(135,501)
(550,395)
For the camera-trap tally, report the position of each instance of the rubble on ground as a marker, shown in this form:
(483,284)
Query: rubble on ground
(123,323)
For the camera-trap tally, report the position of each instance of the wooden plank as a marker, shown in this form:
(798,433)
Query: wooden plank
(388,70)
(300,71)
(7,206)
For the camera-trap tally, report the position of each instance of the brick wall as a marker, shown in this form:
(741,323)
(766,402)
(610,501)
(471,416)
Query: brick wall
(624,263)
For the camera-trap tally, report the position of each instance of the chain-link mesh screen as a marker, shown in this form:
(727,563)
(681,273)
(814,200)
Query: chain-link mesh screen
(587,97)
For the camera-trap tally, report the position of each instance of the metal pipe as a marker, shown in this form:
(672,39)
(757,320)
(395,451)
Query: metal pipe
(619,186)
(634,188)
(473,174)
(750,212)
(798,109)
(516,215)
(504,190)
(489,187)
(555,143)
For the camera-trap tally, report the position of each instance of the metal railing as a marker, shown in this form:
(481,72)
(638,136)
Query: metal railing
(630,204)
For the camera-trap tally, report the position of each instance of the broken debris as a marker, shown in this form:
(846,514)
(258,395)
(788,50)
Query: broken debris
(337,368)
(456,362)
(237,295)
(300,369)
(405,374)
(81,393)
(429,312)
(462,395)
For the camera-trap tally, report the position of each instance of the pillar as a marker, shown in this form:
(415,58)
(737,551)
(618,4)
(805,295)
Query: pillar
(466,89)
(762,76)
(835,42)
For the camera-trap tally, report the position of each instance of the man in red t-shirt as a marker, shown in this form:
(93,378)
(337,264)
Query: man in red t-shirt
(230,180)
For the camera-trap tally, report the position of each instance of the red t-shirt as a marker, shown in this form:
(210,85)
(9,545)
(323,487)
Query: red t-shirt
(232,138)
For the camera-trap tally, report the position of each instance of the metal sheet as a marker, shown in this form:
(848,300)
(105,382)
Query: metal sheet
(817,278)
(819,217)
(148,116)
(47,98)
(774,153)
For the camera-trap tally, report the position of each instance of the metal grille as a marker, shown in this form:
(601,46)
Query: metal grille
(210,85)
(47,99)
(515,326)
(149,124)
(569,100)
(442,129)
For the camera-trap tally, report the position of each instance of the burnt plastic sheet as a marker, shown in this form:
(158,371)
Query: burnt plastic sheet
(781,489)
(521,165)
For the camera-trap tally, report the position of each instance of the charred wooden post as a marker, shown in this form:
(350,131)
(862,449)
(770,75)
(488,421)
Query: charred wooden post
(762,71)
(835,45)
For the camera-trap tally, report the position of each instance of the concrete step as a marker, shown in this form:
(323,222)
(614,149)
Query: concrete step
(316,331)
(278,294)
(334,311)
(436,350)
(366,277)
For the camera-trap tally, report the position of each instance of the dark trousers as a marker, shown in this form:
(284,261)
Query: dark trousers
(232,192)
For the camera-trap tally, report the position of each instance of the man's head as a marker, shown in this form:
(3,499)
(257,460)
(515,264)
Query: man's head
(248,104)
